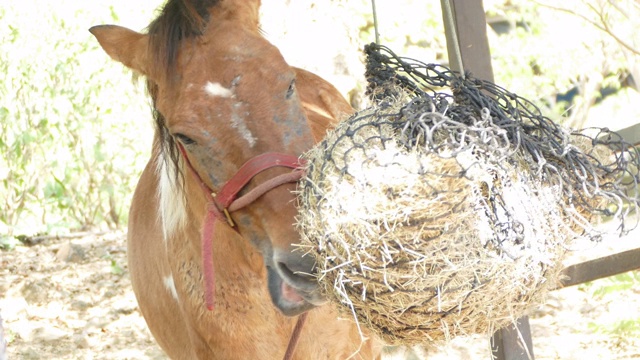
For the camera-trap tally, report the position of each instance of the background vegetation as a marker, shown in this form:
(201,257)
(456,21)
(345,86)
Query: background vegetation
(624,323)
(75,131)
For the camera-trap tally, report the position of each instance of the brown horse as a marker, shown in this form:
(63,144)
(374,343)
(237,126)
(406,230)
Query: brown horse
(223,96)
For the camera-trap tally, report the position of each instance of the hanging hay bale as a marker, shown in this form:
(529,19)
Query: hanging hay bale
(432,216)
(408,237)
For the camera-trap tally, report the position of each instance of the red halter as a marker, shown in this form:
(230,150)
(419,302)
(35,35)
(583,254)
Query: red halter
(227,200)
(220,205)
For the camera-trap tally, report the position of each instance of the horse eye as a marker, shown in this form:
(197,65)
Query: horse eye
(184,139)
(292,88)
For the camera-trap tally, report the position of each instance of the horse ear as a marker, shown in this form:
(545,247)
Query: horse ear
(125,46)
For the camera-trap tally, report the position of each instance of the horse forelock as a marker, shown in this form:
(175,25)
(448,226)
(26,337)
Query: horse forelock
(178,20)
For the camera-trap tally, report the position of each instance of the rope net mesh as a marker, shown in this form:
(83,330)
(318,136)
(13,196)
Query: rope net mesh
(440,213)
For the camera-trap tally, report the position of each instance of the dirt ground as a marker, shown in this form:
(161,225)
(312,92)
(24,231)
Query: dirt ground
(72,299)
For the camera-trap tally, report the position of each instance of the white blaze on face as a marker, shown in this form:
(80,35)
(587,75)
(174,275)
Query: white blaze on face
(171,286)
(216,90)
(237,122)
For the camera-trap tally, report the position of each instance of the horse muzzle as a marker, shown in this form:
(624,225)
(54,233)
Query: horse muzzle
(292,286)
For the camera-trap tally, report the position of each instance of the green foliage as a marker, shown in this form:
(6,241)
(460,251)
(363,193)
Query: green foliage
(10,336)
(8,242)
(115,268)
(611,288)
(559,46)
(628,327)
(73,128)
(613,285)
(620,328)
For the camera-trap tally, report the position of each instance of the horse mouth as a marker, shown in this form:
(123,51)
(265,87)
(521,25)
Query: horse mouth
(291,301)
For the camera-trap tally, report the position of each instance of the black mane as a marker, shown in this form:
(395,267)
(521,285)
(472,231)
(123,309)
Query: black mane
(178,20)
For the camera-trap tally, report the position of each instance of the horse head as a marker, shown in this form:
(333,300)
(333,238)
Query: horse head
(224,95)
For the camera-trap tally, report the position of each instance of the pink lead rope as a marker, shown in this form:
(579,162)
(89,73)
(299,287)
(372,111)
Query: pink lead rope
(226,199)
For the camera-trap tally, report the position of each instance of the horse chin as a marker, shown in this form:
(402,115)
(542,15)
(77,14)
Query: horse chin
(287,299)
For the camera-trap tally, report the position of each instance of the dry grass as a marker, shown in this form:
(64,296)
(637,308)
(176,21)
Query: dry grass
(443,238)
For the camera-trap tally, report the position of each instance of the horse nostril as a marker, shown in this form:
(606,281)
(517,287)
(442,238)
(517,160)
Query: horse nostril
(302,280)
(289,273)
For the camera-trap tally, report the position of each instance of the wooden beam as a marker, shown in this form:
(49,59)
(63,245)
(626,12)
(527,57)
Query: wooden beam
(468,50)
(631,134)
(600,268)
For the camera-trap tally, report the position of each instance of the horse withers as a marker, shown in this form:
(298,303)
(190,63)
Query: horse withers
(210,225)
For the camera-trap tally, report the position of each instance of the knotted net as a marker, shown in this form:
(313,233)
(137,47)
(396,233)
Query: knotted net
(447,207)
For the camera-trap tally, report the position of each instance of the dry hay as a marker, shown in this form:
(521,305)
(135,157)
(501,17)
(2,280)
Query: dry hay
(430,220)
(405,239)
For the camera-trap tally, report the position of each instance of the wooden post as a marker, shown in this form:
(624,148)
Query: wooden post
(468,48)
(470,26)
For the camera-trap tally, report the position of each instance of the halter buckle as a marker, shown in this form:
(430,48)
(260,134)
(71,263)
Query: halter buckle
(228,216)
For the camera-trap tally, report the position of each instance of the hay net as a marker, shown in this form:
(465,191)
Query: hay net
(577,161)
(435,214)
